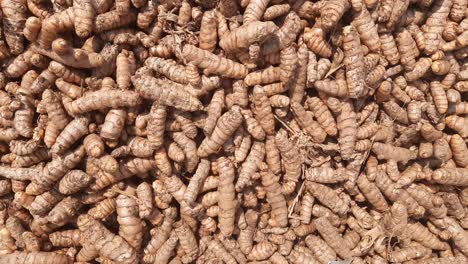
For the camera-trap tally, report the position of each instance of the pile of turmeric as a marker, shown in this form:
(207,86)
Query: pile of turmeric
(250,131)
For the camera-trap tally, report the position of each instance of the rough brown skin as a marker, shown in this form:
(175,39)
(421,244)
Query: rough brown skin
(328,197)
(14,18)
(331,13)
(32,28)
(187,241)
(434,25)
(109,245)
(208,34)
(262,250)
(255,10)
(275,198)
(367,30)
(164,93)
(262,110)
(102,99)
(290,158)
(389,48)
(127,216)
(70,134)
(346,124)
(54,170)
(73,182)
(306,122)
(189,147)
(196,182)
(155,126)
(314,38)
(264,76)
(36,257)
(250,165)
(103,209)
(244,36)
(226,199)
(331,236)
(458,124)
(69,89)
(94,145)
(66,238)
(225,127)
(158,238)
(222,66)
(354,62)
(170,69)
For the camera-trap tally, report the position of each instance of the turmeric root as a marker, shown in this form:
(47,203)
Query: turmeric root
(84,16)
(435,24)
(354,62)
(291,161)
(262,250)
(214,111)
(311,127)
(330,234)
(14,18)
(275,198)
(70,134)
(331,12)
(74,181)
(44,202)
(170,69)
(226,125)
(97,235)
(35,257)
(24,117)
(254,11)
(250,165)
(449,176)
(226,200)
(187,241)
(190,149)
(54,170)
(212,63)
(367,30)
(32,28)
(63,211)
(315,41)
(77,58)
(102,109)
(275,11)
(323,115)
(66,238)
(57,117)
(165,93)
(102,99)
(458,124)
(439,96)
(103,209)
(262,110)
(458,9)
(131,226)
(264,76)
(196,182)
(94,145)
(244,36)
(407,253)
(19,147)
(155,126)
(327,197)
